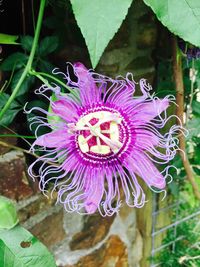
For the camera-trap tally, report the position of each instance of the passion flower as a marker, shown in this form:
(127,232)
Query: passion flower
(101,140)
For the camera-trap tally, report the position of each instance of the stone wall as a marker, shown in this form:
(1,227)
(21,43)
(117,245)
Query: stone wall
(75,240)
(89,241)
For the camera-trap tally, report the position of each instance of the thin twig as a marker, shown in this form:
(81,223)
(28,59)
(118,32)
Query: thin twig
(12,131)
(18,148)
(25,151)
(178,78)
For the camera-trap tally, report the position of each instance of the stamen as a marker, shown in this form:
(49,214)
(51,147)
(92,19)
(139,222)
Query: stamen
(112,142)
(114,145)
(84,147)
(105,131)
(108,118)
(87,139)
(98,142)
(74,128)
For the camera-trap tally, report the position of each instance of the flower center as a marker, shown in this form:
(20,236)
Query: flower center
(99,132)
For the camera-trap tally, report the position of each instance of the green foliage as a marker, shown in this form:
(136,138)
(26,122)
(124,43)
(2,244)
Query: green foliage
(48,45)
(187,234)
(180,17)
(194,128)
(26,85)
(8,39)
(185,252)
(196,108)
(11,112)
(8,214)
(27,42)
(14,61)
(99,21)
(45,66)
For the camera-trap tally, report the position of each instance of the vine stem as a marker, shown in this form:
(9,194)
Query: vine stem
(30,60)
(178,78)
(17,135)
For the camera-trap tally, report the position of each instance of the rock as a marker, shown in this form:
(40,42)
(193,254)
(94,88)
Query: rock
(14,181)
(94,230)
(112,254)
(32,206)
(50,230)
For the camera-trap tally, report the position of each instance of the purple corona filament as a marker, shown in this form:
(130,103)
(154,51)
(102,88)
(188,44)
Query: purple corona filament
(101,140)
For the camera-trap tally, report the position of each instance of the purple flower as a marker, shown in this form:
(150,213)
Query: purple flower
(189,50)
(101,140)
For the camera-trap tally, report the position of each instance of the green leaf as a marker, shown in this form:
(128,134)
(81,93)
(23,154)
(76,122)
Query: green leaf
(8,214)
(8,39)
(197,155)
(4,98)
(181,17)
(25,85)
(48,45)
(11,112)
(16,60)
(27,42)
(99,21)
(19,248)
(8,117)
(174,188)
(196,107)
(193,128)
(45,66)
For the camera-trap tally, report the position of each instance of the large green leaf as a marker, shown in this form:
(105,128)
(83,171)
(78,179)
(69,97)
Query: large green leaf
(99,21)
(8,214)
(19,248)
(181,17)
